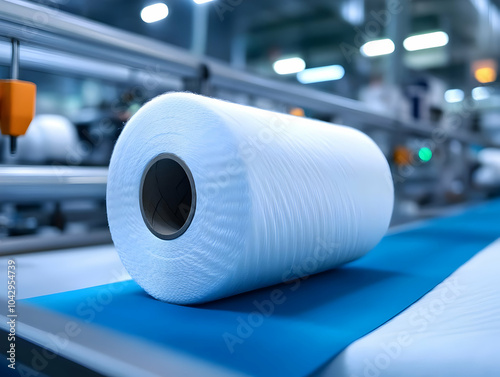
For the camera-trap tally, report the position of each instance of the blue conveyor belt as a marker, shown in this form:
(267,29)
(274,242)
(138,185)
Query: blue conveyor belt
(313,319)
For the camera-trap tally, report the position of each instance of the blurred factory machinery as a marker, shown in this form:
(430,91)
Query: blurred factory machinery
(431,106)
(419,77)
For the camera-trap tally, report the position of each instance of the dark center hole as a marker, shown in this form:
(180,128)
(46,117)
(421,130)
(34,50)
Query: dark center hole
(167,196)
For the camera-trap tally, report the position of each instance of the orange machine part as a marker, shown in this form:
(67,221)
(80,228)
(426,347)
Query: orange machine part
(17,106)
(297,111)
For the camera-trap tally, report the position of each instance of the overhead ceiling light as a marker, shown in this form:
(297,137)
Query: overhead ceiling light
(480,93)
(378,47)
(454,95)
(154,12)
(353,11)
(319,74)
(425,41)
(288,66)
(202,1)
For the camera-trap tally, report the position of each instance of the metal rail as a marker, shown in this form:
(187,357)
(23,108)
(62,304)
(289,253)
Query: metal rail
(29,244)
(14,63)
(42,26)
(48,60)
(39,25)
(32,184)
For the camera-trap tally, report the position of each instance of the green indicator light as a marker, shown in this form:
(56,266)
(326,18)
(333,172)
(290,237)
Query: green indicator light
(425,154)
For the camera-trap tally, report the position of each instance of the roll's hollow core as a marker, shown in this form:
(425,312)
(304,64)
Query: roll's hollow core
(167,196)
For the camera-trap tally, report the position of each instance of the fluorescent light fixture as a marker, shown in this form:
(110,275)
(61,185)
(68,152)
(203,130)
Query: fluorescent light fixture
(154,12)
(425,41)
(290,65)
(319,74)
(454,95)
(480,93)
(202,1)
(378,47)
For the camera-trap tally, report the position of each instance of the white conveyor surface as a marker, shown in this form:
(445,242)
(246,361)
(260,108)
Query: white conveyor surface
(454,330)
(44,273)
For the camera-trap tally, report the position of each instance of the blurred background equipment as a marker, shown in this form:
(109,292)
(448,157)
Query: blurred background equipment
(417,78)
(420,77)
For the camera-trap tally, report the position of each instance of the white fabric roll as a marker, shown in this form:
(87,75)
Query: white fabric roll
(273,197)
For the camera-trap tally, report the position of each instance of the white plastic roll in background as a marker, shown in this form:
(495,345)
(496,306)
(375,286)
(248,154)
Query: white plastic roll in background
(207,199)
(488,174)
(49,138)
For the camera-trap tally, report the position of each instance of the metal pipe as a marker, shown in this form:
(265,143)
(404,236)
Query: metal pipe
(48,60)
(70,33)
(28,244)
(14,63)
(32,184)
(14,75)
